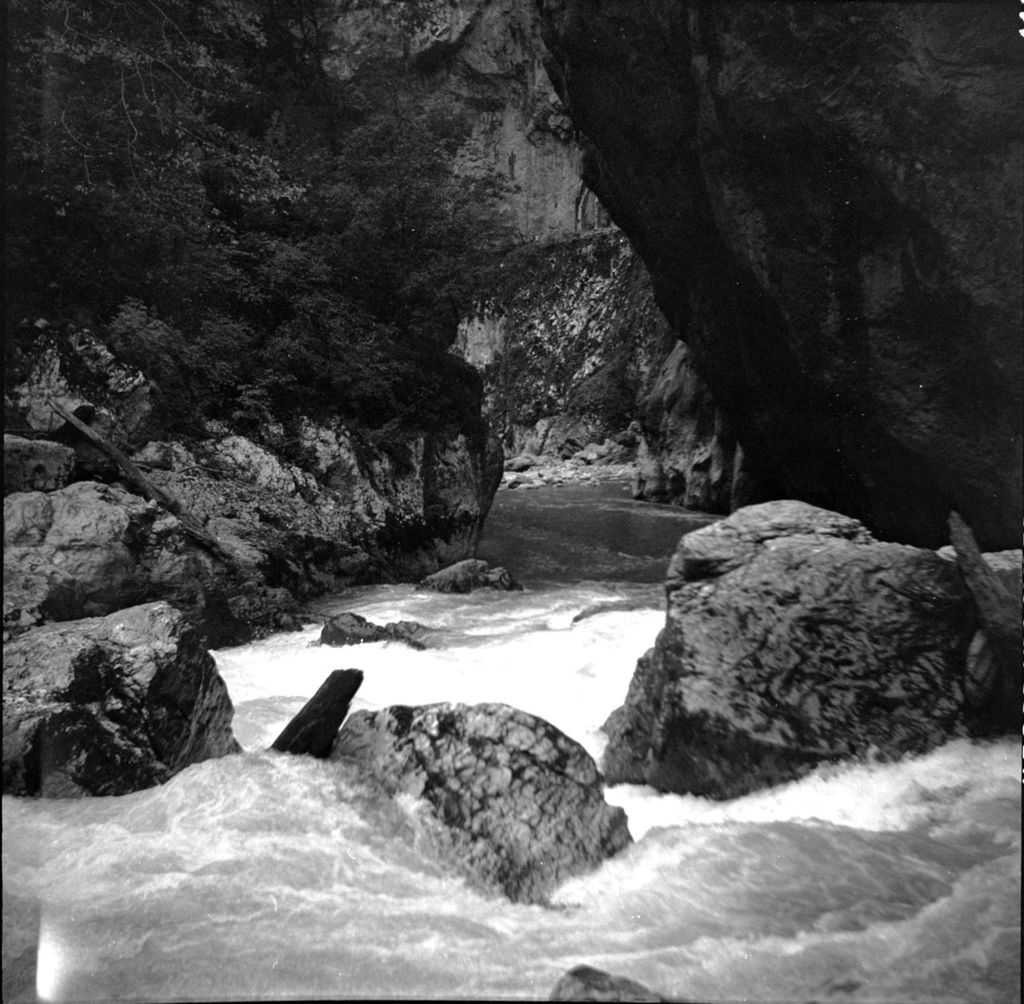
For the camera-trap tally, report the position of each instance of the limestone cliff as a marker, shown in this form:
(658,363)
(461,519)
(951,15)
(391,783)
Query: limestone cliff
(572,346)
(482,59)
(829,199)
(570,334)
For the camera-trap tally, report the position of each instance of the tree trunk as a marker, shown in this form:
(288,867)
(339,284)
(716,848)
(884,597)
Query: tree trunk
(313,729)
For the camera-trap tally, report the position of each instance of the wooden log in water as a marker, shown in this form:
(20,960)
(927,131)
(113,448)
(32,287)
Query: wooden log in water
(313,729)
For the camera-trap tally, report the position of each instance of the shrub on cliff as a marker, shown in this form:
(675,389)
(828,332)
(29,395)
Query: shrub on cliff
(261,240)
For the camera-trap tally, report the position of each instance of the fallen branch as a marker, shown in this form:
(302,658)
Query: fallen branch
(190,524)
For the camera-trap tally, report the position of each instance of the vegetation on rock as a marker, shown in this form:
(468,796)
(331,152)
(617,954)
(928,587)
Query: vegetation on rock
(262,240)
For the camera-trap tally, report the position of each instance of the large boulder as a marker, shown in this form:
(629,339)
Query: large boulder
(109,705)
(792,637)
(512,803)
(89,549)
(836,239)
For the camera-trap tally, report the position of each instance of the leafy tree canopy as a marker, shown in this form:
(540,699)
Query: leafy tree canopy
(262,240)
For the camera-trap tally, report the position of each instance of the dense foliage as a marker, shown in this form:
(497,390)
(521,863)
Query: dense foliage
(262,240)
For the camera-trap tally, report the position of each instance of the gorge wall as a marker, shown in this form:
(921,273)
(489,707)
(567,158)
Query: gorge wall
(828,199)
(569,332)
(483,60)
(573,349)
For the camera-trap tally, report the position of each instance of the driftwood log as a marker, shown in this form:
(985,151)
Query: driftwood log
(190,523)
(313,729)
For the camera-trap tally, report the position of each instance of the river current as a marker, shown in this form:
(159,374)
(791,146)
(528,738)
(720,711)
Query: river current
(265,876)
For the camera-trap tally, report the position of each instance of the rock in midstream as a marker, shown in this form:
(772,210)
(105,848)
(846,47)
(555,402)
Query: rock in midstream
(792,637)
(512,803)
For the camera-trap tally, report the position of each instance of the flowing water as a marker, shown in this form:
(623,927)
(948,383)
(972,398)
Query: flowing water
(265,876)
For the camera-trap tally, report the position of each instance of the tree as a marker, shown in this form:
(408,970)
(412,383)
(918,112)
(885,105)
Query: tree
(296,256)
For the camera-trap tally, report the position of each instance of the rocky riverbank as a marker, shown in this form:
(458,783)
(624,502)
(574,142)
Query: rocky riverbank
(120,543)
(550,473)
(225,526)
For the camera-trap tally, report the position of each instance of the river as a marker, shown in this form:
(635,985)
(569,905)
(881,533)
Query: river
(263,876)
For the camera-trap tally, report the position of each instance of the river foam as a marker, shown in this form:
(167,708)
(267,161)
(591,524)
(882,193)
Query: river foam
(263,876)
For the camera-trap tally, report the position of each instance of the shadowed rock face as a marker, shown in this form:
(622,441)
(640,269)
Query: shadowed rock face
(792,637)
(351,629)
(828,198)
(110,705)
(514,804)
(480,60)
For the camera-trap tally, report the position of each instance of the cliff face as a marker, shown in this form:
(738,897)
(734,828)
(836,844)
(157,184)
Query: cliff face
(483,59)
(572,335)
(573,343)
(828,198)
(572,329)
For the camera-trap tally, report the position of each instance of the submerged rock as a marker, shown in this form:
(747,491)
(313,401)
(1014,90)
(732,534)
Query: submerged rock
(109,705)
(351,629)
(465,576)
(514,804)
(792,637)
(585,983)
(609,606)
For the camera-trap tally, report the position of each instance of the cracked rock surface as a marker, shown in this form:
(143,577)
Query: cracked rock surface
(110,705)
(514,804)
(792,637)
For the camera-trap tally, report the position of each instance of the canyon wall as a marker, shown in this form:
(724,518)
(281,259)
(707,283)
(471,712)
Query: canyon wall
(572,347)
(570,330)
(828,197)
(483,60)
